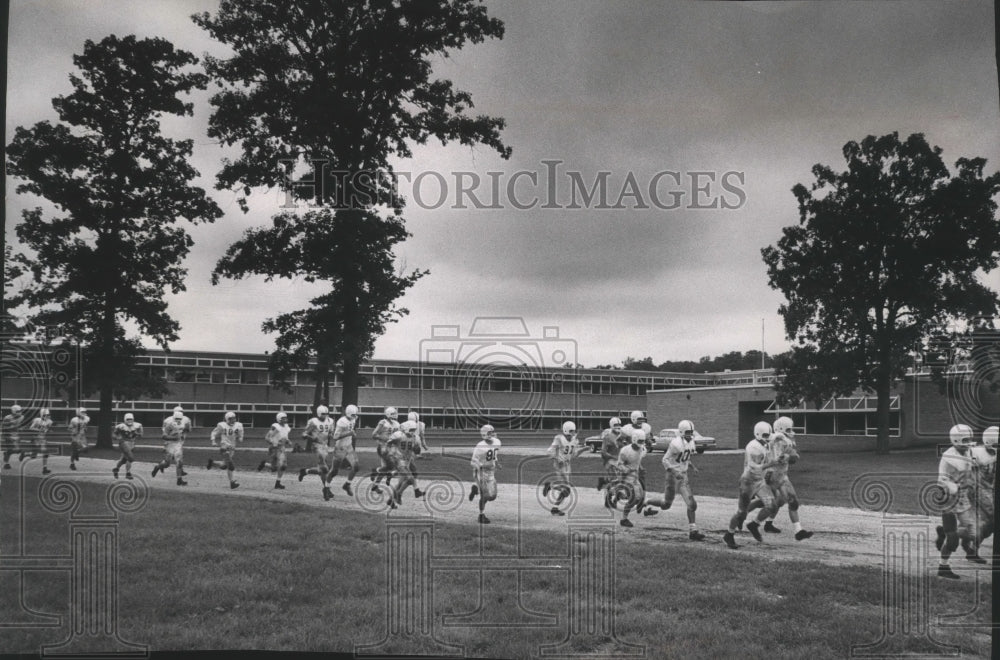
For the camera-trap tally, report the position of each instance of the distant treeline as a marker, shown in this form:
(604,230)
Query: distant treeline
(734,360)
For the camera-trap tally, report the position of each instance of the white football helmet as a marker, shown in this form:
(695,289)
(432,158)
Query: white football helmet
(990,437)
(961,435)
(81,411)
(230,417)
(637,417)
(408,427)
(784,426)
(322,411)
(762,431)
(487,431)
(282,417)
(569,428)
(614,421)
(129,417)
(15,408)
(412,416)
(44,412)
(178,412)
(391,412)
(351,411)
(685,426)
(638,437)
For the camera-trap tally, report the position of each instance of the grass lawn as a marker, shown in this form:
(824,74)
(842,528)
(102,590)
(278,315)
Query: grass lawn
(203,571)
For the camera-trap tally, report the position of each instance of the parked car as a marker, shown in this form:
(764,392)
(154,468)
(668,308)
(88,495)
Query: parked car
(594,442)
(701,442)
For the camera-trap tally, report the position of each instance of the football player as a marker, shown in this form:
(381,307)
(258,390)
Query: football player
(638,423)
(562,450)
(677,462)
(175,430)
(40,426)
(957,474)
(343,452)
(226,435)
(126,434)
(752,484)
(782,452)
(278,445)
(382,433)
(421,434)
(11,425)
(984,458)
(77,436)
(485,462)
(318,433)
(629,484)
(612,440)
(404,449)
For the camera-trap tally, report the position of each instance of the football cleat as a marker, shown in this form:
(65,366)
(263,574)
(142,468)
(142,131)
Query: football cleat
(72,466)
(234,485)
(302,475)
(327,493)
(975,559)
(417,492)
(483,520)
(802,534)
(45,470)
(209,466)
(181,482)
(946,572)
(183,473)
(114,471)
(625,522)
(754,528)
(769,527)
(347,488)
(261,466)
(20,457)
(278,486)
(600,482)
(730,540)
(156,469)
(650,511)
(556,511)
(128,475)
(695,535)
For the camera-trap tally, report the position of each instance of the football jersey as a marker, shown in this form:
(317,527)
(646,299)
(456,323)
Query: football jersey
(956,471)
(386,427)
(779,446)
(678,454)
(343,429)
(278,435)
(131,433)
(754,459)
(630,458)
(78,426)
(12,422)
(229,435)
(41,426)
(629,431)
(320,430)
(175,430)
(611,443)
(986,464)
(562,448)
(485,454)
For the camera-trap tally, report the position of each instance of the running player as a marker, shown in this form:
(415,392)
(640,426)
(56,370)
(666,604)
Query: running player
(40,426)
(11,425)
(226,435)
(175,430)
(984,458)
(637,424)
(957,474)
(677,462)
(383,431)
(562,450)
(318,433)
(782,452)
(278,446)
(629,484)
(343,451)
(612,440)
(78,436)
(126,434)
(485,462)
(421,434)
(752,484)
(404,450)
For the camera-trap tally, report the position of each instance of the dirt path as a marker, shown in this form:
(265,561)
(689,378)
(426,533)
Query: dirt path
(843,537)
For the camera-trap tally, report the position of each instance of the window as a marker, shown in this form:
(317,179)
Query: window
(399,382)
(180,376)
(203,377)
(255,377)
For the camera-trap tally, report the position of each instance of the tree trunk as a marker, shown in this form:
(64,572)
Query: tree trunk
(106,419)
(882,391)
(352,367)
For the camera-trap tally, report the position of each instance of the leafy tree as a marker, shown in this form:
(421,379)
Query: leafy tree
(883,252)
(119,187)
(963,359)
(347,86)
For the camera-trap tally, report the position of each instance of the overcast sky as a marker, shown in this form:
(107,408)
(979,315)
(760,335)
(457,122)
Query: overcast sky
(761,91)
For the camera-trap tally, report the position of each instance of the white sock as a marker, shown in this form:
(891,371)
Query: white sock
(798,527)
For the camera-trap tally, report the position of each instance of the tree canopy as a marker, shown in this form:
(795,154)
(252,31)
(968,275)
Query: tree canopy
(884,251)
(103,259)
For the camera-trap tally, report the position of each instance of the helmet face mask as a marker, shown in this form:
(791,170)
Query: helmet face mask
(487,432)
(615,424)
(784,426)
(282,417)
(351,411)
(15,409)
(391,413)
(129,418)
(230,418)
(961,437)
(637,417)
(322,412)
(686,429)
